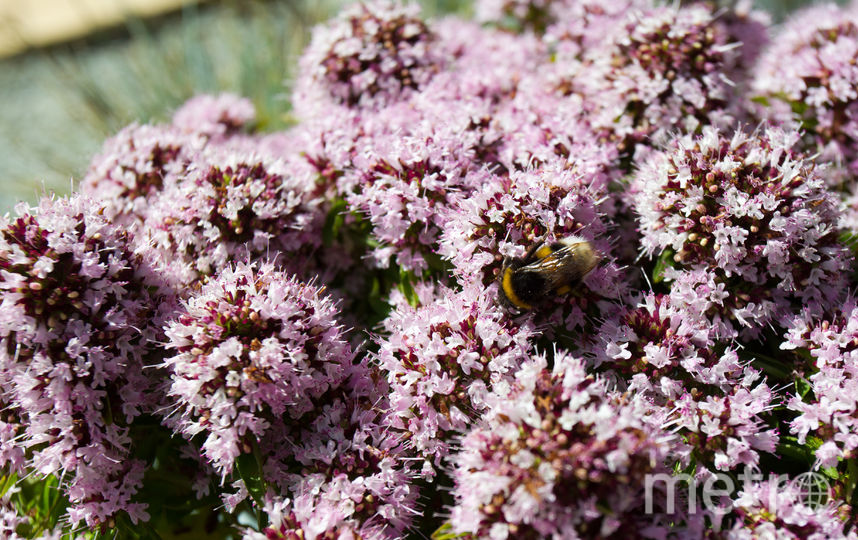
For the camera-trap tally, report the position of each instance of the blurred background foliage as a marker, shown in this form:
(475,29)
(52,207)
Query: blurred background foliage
(58,104)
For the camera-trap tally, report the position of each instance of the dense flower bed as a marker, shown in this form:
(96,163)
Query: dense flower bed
(550,274)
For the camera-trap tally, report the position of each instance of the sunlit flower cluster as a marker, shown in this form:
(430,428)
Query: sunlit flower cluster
(134,167)
(251,346)
(74,335)
(373,53)
(663,69)
(232,207)
(745,214)
(441,360)
(553,455)
(215,116)
(808,74)
(715,400)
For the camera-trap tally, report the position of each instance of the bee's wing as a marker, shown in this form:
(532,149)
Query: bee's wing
(562,267)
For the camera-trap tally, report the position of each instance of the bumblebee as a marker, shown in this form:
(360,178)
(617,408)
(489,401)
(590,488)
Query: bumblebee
(546,269)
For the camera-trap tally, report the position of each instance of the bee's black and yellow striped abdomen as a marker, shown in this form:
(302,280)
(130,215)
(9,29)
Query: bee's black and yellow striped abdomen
(517,286)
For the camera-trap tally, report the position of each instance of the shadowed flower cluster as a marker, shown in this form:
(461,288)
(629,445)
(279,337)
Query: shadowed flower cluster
(827,409)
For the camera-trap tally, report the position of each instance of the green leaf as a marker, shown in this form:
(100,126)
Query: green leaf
(762,100)
(142,531)
(813,443)
(375,300)
(436,263)
(849,240)
(790,447)
(851,479)
(802,386)
(665,261)
(49,494)
(334,222)
(6,483)
(250,470)
(372,242)
(770,366)
(798,107)
(406,287)
(445,532)
(831,473)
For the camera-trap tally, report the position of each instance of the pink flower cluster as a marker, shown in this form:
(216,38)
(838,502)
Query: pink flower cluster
(250,347)
(748,224)
(713,399)
(372,325)
(808,75)
(442,359)
(231,207)
(556,457)
(771,509)
(828,409)
(77,326)
(373,53)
